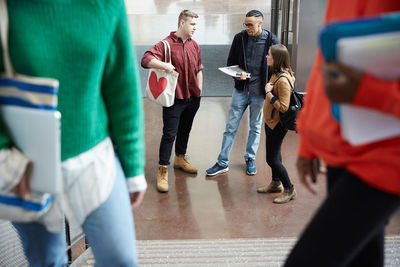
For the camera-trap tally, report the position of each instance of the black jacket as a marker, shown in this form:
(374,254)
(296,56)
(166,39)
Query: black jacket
(237,55)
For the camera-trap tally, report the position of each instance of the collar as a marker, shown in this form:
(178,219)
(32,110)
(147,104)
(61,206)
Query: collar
(262,36)
(175,38)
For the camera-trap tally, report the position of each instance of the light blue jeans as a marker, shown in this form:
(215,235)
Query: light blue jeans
(240,101)
(109,230)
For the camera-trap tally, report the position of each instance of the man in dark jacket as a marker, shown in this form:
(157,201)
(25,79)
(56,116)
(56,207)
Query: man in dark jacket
(249,49)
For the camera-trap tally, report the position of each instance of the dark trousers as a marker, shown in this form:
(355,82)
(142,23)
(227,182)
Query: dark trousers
(348,229)
(274,158)
(178,120)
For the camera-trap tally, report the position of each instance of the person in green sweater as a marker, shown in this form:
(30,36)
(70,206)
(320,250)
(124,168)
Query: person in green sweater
(102,125)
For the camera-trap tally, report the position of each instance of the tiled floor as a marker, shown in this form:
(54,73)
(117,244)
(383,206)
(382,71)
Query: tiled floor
(227,205)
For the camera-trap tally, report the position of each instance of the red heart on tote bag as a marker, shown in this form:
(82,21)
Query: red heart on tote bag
(157,87)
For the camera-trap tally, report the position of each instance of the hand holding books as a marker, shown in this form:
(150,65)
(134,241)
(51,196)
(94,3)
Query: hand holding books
(234,71)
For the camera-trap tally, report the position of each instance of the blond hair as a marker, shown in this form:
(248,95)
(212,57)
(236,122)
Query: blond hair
(186,14)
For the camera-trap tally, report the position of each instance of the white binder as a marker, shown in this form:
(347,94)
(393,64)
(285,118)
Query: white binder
(379,55)
(36,133)
(370,44)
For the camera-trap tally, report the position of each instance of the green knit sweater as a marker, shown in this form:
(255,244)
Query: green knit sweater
(86,46)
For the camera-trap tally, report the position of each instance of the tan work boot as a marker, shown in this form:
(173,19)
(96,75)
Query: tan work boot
(180,162)
(287,195)
(162,179)
(273,187)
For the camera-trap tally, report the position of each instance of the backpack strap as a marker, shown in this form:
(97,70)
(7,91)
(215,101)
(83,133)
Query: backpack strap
(280,76)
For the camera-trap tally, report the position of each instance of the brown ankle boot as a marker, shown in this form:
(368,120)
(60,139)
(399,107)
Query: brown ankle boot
(287,195)
(273,187)
(180,162)
(162,179)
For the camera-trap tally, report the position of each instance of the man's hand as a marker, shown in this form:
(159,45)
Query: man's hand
(22,189)
(308,169)
(136,198)
(340,82)
(243,76)
(168,67)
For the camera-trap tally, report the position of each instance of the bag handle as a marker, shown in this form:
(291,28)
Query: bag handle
(4,39)
(167,47)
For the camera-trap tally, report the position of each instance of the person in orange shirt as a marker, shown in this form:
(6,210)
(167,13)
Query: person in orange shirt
(364,180)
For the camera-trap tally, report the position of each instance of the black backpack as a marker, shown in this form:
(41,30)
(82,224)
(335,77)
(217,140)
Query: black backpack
(288,118)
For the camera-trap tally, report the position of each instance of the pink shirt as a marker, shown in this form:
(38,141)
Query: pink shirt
(186,58)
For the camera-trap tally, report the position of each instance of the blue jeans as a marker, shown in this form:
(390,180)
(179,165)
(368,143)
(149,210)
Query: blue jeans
(109,230)
(240,101)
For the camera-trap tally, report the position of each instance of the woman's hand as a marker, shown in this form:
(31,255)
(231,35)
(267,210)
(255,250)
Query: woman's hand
(308,169)
(22,188)
(340,82)
(268,87)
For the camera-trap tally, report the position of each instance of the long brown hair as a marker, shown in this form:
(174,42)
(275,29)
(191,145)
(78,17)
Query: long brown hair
(281,58)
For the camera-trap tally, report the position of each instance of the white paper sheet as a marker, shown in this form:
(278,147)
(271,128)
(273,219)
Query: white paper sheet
(379,55)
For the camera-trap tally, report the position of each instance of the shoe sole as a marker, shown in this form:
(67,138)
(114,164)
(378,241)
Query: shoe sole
(218,172)
(251,173)
(292,198)
(162,190)
(182,169)
(271,191)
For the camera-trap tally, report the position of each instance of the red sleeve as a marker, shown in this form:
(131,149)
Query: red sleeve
(379,95)
(157,52)
(304,149)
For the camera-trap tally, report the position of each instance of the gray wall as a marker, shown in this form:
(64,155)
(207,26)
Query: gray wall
(311,15)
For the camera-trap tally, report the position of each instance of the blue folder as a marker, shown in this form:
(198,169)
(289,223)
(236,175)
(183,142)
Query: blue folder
(332,32)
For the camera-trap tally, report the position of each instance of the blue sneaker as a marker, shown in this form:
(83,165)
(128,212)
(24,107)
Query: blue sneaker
(216,169)
(251,167)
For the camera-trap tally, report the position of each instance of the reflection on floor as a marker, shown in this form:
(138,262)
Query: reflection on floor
(222,220)
(226,205)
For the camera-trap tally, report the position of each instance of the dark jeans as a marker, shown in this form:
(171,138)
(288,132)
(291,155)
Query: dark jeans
(348,229)
(178,120)
(274,157)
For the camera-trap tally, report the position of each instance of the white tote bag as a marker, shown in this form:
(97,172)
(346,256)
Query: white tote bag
(161,85)
(28,94)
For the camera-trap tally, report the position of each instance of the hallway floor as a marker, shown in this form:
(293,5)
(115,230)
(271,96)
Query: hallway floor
(226,205)
(222,220)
